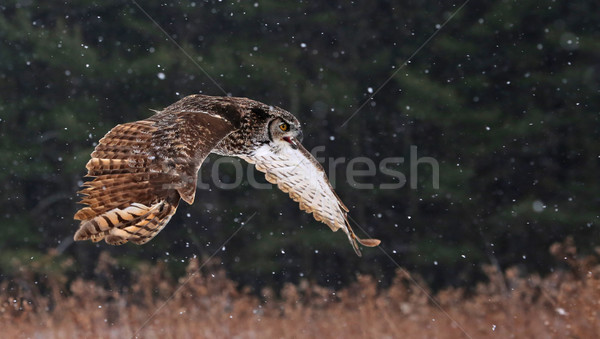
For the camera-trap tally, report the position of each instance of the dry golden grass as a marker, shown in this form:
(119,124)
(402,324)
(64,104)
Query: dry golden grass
(564,304)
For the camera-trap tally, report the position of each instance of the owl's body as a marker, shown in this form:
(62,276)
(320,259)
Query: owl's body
(142,169)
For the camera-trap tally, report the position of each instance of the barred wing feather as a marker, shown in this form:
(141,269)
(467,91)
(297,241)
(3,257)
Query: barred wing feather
(298,173)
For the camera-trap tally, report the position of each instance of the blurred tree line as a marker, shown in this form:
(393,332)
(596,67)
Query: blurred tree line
(505,98)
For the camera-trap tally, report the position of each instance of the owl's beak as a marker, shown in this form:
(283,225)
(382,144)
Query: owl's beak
(292,141)
(299,136)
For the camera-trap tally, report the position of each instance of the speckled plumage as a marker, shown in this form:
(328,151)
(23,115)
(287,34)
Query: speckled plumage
(142,169)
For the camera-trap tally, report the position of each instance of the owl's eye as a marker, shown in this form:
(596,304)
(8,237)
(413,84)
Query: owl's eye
(284,127)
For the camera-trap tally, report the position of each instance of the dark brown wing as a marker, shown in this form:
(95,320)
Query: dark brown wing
(141,171)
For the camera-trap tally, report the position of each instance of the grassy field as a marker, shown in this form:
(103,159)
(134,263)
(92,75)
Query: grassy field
(206,304)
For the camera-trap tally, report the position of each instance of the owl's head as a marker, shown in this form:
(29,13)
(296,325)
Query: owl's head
(284,129)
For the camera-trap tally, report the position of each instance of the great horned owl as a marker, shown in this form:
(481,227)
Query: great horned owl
(142,169)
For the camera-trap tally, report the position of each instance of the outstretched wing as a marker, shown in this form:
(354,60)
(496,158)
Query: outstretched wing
(141,170)
(298,173)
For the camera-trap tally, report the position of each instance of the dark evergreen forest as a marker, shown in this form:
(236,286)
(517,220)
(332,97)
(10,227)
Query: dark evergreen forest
(504,98)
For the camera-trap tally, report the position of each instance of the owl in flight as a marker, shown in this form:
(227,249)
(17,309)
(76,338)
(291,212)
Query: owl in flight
(142,169)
